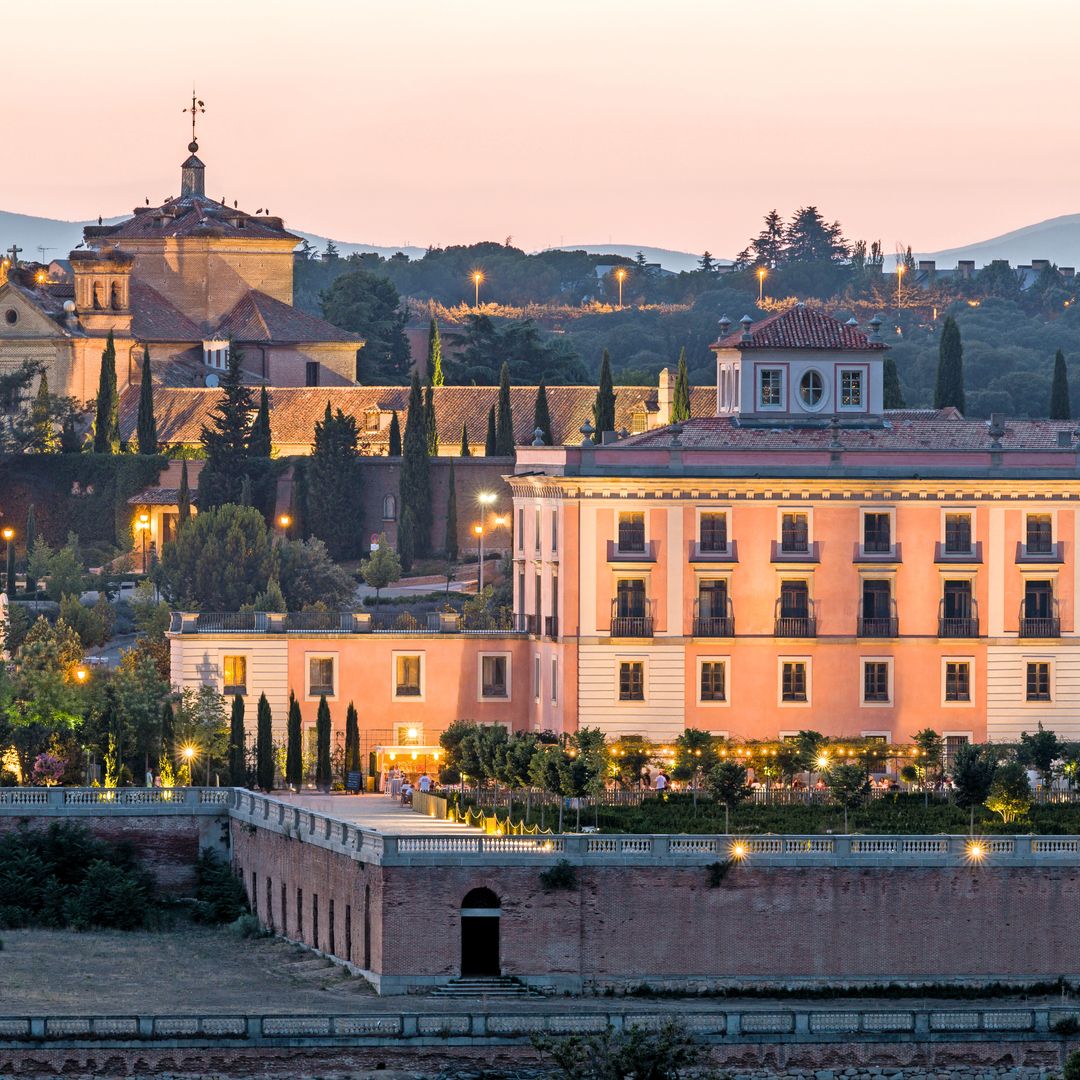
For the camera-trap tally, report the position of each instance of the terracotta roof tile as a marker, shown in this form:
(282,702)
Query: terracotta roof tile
(258,317)
(192,215)
(153,318)
(799,327)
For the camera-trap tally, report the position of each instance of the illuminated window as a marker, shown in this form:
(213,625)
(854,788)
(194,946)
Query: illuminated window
(713,680)
(793,681)
(772,387)
(407,671)
(639,421)
(320,676)
(235,672)
(631,680)
(851,388)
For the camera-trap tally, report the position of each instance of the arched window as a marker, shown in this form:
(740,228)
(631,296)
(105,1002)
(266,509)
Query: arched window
(481,898)
(480,917)
(389,508)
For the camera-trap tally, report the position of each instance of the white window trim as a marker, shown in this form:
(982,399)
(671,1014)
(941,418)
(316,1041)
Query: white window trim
(726,703)
(970,703)
(322,655)
(863,703)
(508,657)
(246,657)
(807,510)
(1036,659)
(891,511)
(864,374)
(645,514)
(538,669)
(554,680)
(780,662)
(877,734)
(759,371)
(422,696)
(699,510)
(973,517)
(618,702)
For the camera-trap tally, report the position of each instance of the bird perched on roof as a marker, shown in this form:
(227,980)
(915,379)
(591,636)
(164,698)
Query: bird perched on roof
(259,211)
(147,197)
(99,219)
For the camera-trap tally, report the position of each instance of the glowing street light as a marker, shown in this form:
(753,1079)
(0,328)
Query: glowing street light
(738,851)
(284,520)
(478,530)
(976,851)
(761,284)
(8,534)
(81,674)
(620,277)
(142,524)
(900,269)
(477,277)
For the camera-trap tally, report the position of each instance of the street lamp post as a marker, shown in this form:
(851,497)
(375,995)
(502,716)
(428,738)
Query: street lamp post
(9,579)
(477,278)
(900,268)
(479,530)
(760,284)
(620,276)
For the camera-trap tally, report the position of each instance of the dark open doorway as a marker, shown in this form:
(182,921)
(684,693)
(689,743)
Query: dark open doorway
(480,915)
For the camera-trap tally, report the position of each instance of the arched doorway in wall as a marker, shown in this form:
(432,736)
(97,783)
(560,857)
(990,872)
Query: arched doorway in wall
(480,915)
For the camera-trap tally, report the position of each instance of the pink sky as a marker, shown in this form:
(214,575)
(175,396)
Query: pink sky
(674,123)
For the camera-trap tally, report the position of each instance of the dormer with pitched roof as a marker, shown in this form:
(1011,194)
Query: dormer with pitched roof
(800,367)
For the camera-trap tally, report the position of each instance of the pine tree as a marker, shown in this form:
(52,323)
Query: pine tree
(264,745)
(414,528)
(394,449)
(893,395)
(322,745)
(680,407)
(1060,406)
(352,740)
(30,541)
(260,444)
(43,438)
(106,420)
(465,451)
(490,443)
(434,355)
(294,761)
(333,491)
(146,428)
(504,420)
(430,426)
(183,499)
(451,515)
(541,415)
(949,387)
(604,406)
(237,768)
(226,439)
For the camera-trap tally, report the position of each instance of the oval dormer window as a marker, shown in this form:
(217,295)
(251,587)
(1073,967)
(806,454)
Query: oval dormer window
(811,389)
(11,316)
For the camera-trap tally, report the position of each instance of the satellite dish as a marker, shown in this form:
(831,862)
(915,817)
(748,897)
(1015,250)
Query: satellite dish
(212,380)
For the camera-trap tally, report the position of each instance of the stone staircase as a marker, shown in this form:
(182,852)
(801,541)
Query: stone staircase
(501,986)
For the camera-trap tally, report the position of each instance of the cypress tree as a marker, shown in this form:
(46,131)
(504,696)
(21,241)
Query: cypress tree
(264,745)
(352,740)
(893,395)
(451,515)
(541,415)
(504,423)
(168,732)
(183,499)
(70,442)
(106,422)
(260,444)
(226,439)
(322,745)
(414,528)
(146,428)
(465,451)
(949,387)
(680,407)
(490,443)
(333,479)
(43,438)
(31,540)
(9,572)
(395,436)
(294,761)
(1060,406)
(237,768)
(430,426)
(604,406)
(434,355)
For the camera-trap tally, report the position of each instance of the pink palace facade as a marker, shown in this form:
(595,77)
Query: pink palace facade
(801,559)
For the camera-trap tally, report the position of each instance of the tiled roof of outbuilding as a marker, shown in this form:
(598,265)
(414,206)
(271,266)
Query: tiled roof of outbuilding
(192,216)
(800,327)
(258,317)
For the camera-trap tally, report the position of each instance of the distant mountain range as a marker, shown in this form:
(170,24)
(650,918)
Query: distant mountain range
(1057,239)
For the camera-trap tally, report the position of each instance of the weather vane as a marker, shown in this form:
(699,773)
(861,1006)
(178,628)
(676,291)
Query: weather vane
(197,107)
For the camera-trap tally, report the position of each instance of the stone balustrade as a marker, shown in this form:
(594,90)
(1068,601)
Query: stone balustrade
(129,801)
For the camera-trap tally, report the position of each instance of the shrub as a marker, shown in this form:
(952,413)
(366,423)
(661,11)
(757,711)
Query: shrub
(247,926)
(219,896)
(716,872)
(1067,1025)
(1072,1067)
(563,875)
(109,896)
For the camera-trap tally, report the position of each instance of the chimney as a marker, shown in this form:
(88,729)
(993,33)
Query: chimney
(746,322)
(1067,271)
(1039,265)
(965,268)
(928,267)
(665,398)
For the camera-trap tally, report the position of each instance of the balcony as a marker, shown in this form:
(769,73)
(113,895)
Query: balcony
(526,624)
(795,552)
(1042,622)
(1043,553)
(551,627)
(635,554)
(633,622)
(792,623)
(885,627)
(973,554)
(713,626)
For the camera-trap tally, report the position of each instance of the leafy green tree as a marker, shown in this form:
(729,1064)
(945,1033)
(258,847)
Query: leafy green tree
(893,395)
(352,740)
(466,451)
(43,437)
(220,560)
(434,355)
(63,570)
(430,425)
(322,745)
(294,757)
(949,387)
(767,248)
(546,770)
(382,568)
(237,743)
(307,576)
(695,755)
(414,527)
(727,784)
(452,741)
(848,785)
(394,449)
(930,748)
(1039,751)
(604,406)
(491,445)
(516,759)
(260,443)
(973,775)
(369,305)
(486,344)
(106,418)
(146,427)
(1060,406)
(333,495)
(541,415)
(9,573)
(264,745)
(504,421)
(31,543)
(680,407)
(225,441)
(1010,792)
(451,515)
(183,498)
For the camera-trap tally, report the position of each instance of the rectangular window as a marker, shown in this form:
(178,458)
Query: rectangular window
(539,524)
(772,387)
(794,600)
(875,680)
(235,675)
(958,534)
(795,533)
(957,680)
(952,744)
(315,920)
(493,677)
(521,530)
(284,909)
(639,422)
(554,531)
(1038,681)
(713,532)
(877,532)
(713,680)
(300,914)
(371,420)
(554,681)
(851,389)
(330,921)
(793,681)
(631,680)
(311,373)
(320,676)
(407,676)
(536,679)
(1040,540)
(632,532)
(348,932)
